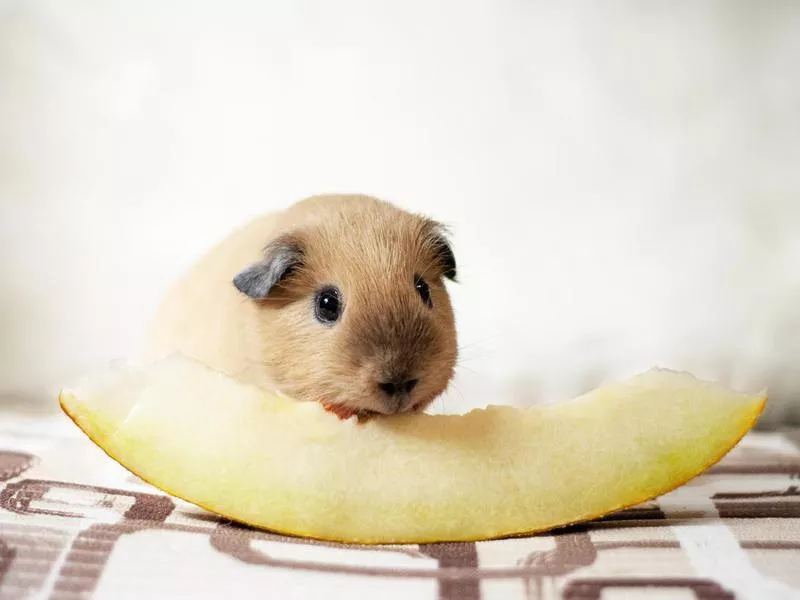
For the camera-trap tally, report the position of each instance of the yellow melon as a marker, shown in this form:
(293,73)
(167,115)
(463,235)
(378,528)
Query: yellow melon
(290,467)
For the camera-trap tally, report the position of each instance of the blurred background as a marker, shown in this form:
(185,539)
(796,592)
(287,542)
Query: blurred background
(622,179)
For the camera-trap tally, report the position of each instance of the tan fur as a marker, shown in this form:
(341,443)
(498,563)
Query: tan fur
(371,251)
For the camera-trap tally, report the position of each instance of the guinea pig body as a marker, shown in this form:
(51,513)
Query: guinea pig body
(337,299)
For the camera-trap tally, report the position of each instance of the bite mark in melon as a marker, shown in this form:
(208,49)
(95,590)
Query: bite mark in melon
(291,467)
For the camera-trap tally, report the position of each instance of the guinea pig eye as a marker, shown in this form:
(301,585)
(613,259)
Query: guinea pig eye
(423,290)
(328,305)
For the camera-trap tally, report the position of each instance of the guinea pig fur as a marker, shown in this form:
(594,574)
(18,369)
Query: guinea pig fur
(338,299)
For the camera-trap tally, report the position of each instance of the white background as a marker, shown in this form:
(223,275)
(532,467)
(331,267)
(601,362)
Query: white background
(622,179)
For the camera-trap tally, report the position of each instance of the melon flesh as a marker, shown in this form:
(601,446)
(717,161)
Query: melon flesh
(291,467)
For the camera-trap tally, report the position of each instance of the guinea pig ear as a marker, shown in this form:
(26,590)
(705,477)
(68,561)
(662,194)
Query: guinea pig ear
(443,251)
(281,257)
(446,256)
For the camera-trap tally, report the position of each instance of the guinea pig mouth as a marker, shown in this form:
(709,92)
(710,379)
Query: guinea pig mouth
(366,414)
(341,410)
(344,412)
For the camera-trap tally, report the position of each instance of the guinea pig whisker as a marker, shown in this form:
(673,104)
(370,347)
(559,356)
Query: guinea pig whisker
(458,390)
(461,358)
(477,344)
(460,366)
(473,357)
(462,347)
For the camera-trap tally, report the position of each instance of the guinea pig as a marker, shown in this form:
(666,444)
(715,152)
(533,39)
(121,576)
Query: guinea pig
(339,299)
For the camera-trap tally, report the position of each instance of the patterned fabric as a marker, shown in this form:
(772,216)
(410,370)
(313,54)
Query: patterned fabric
(74,524)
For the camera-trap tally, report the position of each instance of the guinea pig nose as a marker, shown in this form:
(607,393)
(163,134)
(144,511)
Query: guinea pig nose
(397,387)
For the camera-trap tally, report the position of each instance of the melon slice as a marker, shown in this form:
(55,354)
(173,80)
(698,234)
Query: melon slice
(294,468)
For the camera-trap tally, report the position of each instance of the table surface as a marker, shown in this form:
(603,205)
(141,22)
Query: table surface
(74,524)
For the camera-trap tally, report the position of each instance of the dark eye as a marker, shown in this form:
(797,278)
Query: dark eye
(423,290)
(328,305)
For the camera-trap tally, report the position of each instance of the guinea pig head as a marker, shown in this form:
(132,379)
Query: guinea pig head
(357,313)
